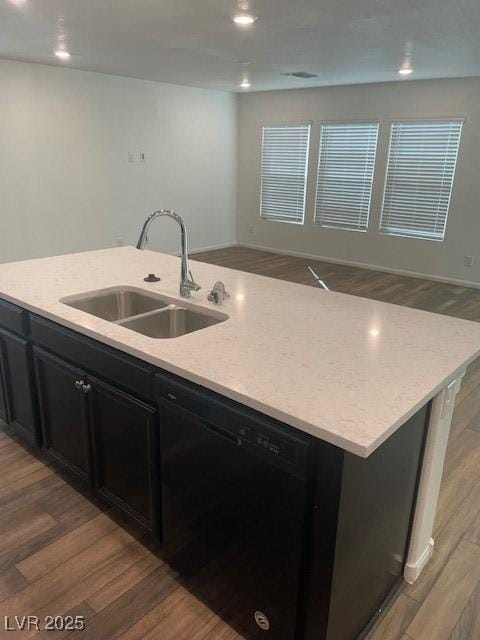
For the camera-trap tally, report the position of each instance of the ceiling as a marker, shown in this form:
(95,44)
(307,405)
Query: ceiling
(195,42)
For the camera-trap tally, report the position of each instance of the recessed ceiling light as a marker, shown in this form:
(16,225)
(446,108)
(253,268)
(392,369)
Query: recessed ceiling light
(244,18)
(62,54)
(245,84)
(405,71)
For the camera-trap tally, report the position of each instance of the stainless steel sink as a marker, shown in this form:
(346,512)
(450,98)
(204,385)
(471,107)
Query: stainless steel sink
(147,313)
(172,322)
(116,304)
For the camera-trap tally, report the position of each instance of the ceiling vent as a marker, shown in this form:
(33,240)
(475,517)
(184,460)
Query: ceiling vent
(304,75)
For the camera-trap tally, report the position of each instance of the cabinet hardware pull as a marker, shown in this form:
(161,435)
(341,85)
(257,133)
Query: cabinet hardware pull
(79,384)
(171,396)
(87,388)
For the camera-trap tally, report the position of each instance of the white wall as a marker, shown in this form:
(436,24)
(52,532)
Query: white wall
(386,102)
(66,184)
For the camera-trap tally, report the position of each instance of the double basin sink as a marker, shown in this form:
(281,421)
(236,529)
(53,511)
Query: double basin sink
(147,313)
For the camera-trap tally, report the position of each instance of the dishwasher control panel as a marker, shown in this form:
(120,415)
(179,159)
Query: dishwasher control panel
(247,428)
(277,446)
(270,442)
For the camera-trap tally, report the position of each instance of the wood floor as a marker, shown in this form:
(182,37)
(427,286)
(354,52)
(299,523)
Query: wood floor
(61,554)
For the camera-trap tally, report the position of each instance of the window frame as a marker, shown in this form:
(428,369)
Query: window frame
(347,122)
(430,120)
(309,124)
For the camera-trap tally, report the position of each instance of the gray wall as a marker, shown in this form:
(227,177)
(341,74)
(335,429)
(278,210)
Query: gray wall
(65,180)
(386,102)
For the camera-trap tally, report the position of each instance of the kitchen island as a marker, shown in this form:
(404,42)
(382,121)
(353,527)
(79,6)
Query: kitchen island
(369,383)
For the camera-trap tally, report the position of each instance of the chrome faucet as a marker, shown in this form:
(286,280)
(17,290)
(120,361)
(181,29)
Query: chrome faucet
(187,283)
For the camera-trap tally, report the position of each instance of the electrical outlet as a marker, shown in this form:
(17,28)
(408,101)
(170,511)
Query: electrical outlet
(468,261)
(130,157)
(251,230)
(119,242)
(142,157)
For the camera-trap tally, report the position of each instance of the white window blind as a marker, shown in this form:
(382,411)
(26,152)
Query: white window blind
(346,165)
(420,173)
(284,171)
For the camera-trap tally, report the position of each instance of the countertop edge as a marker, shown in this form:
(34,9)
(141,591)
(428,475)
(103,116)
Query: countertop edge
(363,451)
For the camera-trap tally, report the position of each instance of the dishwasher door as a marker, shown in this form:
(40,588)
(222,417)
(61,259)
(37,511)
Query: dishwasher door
(233,491)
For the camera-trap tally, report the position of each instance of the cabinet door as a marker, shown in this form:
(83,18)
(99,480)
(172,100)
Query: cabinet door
(18,387)
(126,452)
(4,412)
(64,415)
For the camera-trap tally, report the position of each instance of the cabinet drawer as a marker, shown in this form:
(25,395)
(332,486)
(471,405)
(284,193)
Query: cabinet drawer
(13,318)
(121,369)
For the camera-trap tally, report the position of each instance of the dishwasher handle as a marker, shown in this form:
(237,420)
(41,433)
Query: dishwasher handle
(223,433)
(226,435)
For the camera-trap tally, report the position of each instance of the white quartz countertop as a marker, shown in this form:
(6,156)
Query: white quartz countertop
(344,369)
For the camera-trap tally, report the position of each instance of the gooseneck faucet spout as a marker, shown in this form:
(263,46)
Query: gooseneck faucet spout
(187,283)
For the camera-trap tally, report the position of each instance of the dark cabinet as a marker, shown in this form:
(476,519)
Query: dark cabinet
(4,413)
(105,436)
(64,414)
(17,400)
(126,454)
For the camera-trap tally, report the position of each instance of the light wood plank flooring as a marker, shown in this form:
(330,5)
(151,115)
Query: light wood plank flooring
(60,553)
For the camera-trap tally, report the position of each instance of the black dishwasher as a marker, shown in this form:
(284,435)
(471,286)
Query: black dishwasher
(234,490)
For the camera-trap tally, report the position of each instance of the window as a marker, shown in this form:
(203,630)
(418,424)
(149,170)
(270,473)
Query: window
(346,164)
(420,172)
(284,171)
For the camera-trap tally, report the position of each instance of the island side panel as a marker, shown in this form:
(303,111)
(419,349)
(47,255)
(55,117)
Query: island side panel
(319,544)
(372,520)
(376,511)
(421,542)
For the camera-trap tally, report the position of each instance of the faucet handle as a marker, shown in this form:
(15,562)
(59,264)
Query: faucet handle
(193,285)
(188,285)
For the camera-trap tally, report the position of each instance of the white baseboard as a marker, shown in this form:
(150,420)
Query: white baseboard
(413,569)
(212,247)
(362,265)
